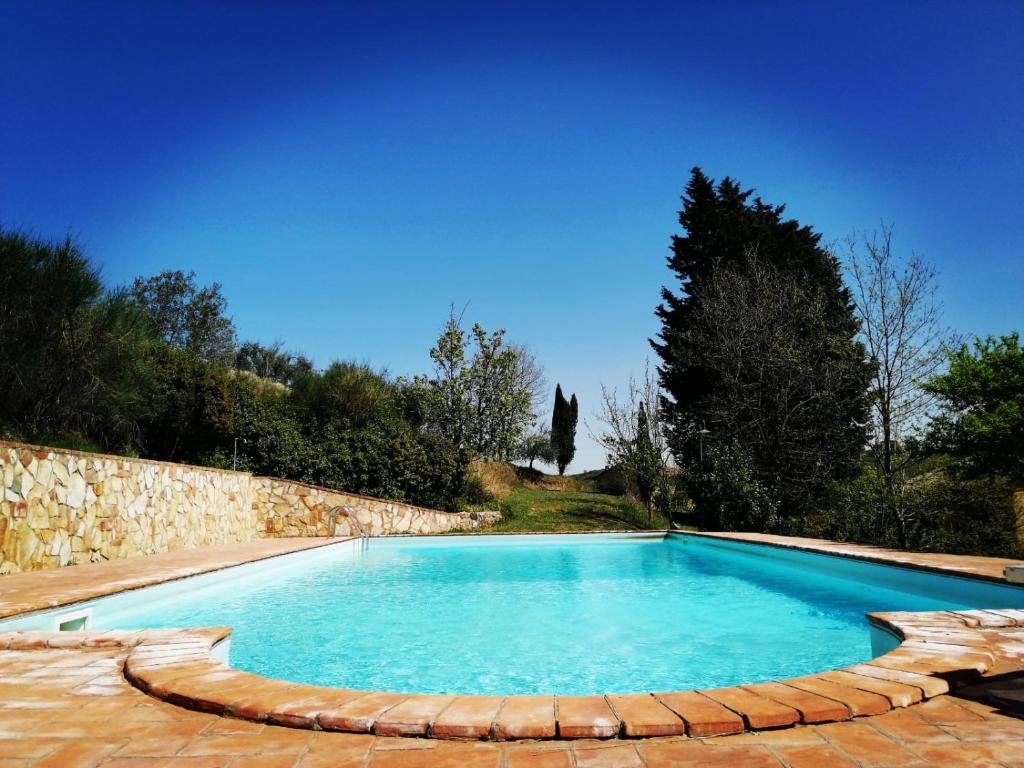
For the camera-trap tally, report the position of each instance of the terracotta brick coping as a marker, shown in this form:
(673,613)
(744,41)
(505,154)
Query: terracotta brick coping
(971,566)
(940,651)
(647,533)
(31,591)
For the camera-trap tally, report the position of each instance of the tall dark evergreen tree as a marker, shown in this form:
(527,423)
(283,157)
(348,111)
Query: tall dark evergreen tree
(758,350)
(646,460)
(563,429)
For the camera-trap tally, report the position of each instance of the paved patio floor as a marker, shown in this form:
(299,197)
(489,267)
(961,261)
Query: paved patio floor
(67,708)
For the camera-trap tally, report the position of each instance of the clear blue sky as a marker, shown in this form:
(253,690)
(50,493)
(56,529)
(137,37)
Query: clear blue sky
(347,171)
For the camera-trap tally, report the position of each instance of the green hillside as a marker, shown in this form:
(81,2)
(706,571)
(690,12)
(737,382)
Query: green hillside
(533,501)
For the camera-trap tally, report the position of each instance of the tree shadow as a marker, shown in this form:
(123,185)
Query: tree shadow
(1004,693)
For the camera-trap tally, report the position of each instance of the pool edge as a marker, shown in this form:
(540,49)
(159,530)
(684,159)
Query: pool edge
(915,561)
(938,652)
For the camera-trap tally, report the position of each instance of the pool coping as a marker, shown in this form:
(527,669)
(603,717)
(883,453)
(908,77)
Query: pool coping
(990,569)
(163,567)
(48,592)
(939,651)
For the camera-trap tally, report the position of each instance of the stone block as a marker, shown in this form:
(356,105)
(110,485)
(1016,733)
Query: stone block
(76,492)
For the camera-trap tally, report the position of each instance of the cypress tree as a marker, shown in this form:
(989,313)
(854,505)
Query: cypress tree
(563,429)
(791,404)
(646,465)
(557,419)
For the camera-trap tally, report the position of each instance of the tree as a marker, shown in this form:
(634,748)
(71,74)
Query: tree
(528,374)
(348,427)
(481,403)
(758,347)
(536,446)
(649,469)
(776,393)
(564,417)
(448,391)
(982,395)
(501,403)
(71,364)
(902,333)
(186,316)
(271,361)
(82,366)
(191,413)
(634,440)
(346,392)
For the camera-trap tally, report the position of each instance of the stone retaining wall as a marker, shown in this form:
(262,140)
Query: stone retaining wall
(287,508)
(60,507)
(65,507)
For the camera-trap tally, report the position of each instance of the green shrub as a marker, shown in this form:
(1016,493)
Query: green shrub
(69,350)
(969,516)
(71,441)
(614,481)
(943,513)
(853,510)
(728,494)
(475,491)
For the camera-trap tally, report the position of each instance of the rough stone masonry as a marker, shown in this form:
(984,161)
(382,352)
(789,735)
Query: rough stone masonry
(62,507)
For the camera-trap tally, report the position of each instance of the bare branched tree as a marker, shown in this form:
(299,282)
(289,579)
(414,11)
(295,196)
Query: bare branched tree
(633,436)
(529,375)
(902,331)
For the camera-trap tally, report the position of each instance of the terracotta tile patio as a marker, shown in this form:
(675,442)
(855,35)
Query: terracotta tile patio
(65,700)
(74,707)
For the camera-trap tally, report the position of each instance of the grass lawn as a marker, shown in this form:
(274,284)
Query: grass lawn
(542,509)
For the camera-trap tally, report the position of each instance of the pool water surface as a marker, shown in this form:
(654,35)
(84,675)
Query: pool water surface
(552,614)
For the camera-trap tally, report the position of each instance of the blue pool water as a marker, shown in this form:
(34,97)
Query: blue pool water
(567,615)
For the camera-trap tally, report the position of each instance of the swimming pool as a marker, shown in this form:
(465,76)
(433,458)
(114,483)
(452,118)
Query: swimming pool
(572,614)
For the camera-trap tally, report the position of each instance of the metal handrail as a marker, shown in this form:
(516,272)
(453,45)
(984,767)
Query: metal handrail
(352,519)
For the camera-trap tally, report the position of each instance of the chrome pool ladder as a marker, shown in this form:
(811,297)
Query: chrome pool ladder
(353,523)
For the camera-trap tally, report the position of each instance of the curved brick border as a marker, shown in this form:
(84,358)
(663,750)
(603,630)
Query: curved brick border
(939,651)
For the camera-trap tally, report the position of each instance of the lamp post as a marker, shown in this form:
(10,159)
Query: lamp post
(701,434)
(700,508)
(234,460)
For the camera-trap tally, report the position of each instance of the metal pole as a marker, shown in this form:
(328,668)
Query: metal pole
(701,512)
